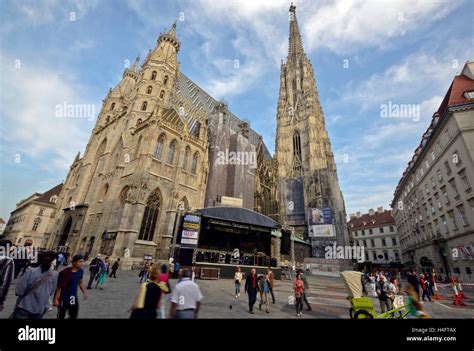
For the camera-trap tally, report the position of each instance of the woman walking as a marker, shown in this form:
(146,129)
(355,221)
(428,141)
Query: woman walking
(238,281)
(164,279)
(149,296)
(264,292)
(103,270)
(299,290)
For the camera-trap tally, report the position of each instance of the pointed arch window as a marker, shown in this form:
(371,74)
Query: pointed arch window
(162,94)
(159,147)
(165,80)
(112,106)
(171,152)
(194,163)
(150,216)
(153,75)
(149,89)
(144,105)
(185,159)
(297,145)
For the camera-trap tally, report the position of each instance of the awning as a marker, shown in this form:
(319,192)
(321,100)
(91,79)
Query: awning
(238,214)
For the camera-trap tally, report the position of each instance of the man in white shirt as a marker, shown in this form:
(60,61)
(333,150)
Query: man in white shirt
(186,297)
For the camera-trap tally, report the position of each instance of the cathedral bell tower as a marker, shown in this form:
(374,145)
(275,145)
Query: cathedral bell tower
(308,189)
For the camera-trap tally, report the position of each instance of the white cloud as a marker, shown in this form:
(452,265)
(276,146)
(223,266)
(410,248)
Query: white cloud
(29,123)
(349,25)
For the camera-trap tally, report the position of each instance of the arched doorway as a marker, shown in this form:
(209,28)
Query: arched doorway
(65,233)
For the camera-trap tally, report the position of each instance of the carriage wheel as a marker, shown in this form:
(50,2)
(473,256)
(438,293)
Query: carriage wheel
(362,314)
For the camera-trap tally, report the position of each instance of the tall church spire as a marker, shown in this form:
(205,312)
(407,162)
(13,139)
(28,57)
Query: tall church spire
(295,46)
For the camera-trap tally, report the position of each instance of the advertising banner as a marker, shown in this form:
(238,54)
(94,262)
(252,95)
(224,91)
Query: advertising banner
(320,222)
(191,227)
(294,200)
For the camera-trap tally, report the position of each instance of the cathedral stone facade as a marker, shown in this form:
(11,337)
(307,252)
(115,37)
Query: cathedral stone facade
(306,175)
(161,145)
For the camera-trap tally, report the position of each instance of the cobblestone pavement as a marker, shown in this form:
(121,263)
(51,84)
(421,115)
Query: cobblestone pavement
(327,296)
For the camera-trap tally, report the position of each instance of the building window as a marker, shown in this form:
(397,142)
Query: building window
(139,121)
(468,270)
(144,105)
(453,219)
(36,224)
(159,147)
(363,232)
(153,75)
(112,106)
(374,255)
(433,184)
(372,242)
(432,155)
(150,216)
(391,229)
(165,80)
(397,256)
(162,94)
(371,231)
(457,270)
(185,159)
(194,163)
(385,256)
(384,243)
(40,213)
(149,89)
(171,152)
(394,242)
(462,215)
(427,188)
(465,181)
(452,183)
(448,168)
(440,177)
(381,230)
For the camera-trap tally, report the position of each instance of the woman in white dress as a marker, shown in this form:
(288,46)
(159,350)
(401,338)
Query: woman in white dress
(372,291)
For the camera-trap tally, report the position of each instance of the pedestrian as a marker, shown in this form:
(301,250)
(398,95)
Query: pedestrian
(264,288)
(299,291)
(103,271)
(65,298)
(372,285)
(393,291)
(306,289)
(93,269)
(413,281)
(251,288)
(66,258)
(186,297)
(115,267)
(430,284)
(424,287)
(148,298)
(59,260)
(144,272)
(7,270)
(165,279)
(22,261)
(177,266)
(271,281)
(415,307)
(237,281)
(382,294)
(35,288)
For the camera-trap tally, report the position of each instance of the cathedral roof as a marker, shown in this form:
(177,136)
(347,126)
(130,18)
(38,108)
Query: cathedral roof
(203,101)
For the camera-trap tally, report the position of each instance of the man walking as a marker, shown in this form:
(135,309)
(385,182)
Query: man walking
(115,267)
(94,269)
(186,297)
(69,280)
(306,289)
(383,291)
(424,287)
(251,288)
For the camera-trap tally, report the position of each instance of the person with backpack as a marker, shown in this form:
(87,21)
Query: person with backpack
(35,287)
(115,267)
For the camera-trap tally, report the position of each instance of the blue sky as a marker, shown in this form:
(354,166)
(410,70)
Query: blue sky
(365,55)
